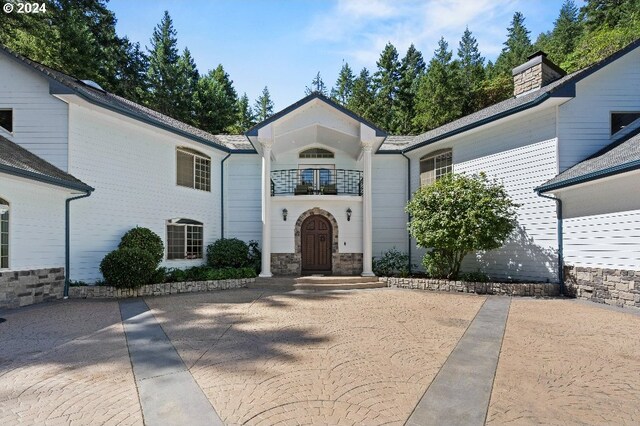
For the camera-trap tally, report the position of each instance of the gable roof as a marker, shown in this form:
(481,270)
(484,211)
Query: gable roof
(315,95)
(623,155)
(17,161)
(62,83)
(563,87)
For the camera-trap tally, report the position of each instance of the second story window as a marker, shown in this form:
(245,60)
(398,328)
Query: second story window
(435,165)
(6,119)
(620,120)
(193,169)
(316,153)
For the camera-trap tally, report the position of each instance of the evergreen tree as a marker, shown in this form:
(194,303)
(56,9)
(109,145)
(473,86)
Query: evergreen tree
(164,68)
(439,98)
(363,97)
(609,14)
(471,71)
(131,72)
(187,86)
(386,81)
(216,102)
(412,68)
(343,89)
(245,117)
(263,108)
(317,86)
(562,40)
(517,47)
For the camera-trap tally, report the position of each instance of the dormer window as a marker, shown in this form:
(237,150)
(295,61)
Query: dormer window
(620,120)
(193,169)
(435,165)
(6,119)
(316,153)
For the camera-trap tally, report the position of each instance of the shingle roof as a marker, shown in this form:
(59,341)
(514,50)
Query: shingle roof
(235,142)
(16,160)
(620,156)
(396,143)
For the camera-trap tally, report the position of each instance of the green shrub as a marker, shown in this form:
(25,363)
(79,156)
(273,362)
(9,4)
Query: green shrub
(475,277)
(128,267)
(228,253)
(255,256)
(207,273)
(436,263)
(144,239)
(392,262)
(159,276)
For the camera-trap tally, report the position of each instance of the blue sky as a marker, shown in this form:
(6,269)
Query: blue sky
(283,44)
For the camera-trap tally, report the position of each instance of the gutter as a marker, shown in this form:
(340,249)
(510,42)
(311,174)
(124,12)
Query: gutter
(408,214)
(222,194)
(560,240)
(44,178)
(611,171)
(67,260)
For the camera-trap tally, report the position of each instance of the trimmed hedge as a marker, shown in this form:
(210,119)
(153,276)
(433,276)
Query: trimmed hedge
(128,267)
(228,253)
(145,239)
(206,273)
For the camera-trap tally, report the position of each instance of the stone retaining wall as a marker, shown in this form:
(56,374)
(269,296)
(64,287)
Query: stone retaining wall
(617,287)
(509,289)
(104,291)
(22,288)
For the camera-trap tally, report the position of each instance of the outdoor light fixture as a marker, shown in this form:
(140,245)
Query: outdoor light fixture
(349,214)
(285,212)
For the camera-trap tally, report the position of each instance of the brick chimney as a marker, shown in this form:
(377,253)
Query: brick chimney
(537,72)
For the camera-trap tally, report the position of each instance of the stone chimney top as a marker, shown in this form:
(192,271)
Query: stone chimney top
(537,72)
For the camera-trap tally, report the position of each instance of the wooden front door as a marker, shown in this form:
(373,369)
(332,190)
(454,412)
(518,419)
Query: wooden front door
(316,245)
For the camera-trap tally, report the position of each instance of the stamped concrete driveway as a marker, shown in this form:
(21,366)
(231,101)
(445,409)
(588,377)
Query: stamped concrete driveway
(355,357)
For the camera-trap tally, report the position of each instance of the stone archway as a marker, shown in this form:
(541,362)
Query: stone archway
(316,211)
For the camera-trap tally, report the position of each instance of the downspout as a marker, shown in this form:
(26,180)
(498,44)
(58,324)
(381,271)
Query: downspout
(408,214)
(560,240)
(222,195)
(67,239)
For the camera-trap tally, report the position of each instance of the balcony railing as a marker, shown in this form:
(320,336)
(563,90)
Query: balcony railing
(316,182)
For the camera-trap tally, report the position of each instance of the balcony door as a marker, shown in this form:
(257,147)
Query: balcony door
(316,240)
(317,176)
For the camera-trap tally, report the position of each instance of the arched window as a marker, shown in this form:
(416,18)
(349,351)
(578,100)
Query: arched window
(193,169)
(316,153)
(435,165)
(184,239)
(4,233)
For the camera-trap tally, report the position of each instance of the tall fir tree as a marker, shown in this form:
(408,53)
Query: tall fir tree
(263,107)
(567,30)
(187,82)
(363,96)
(245,118)
(164,87)
(471,71)
(216,102)
(386,82)
(131,72)
(412,68)
(439,94)
(516,48)
(342,91)
(317,86)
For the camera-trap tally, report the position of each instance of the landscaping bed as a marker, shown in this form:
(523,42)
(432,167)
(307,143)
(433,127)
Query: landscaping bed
(508,289)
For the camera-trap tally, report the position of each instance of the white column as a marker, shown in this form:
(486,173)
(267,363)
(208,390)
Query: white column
(367,213)
(266,210)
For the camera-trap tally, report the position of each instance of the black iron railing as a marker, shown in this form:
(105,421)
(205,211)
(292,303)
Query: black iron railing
(316,182)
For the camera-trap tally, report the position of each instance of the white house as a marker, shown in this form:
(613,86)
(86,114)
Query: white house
(320,188)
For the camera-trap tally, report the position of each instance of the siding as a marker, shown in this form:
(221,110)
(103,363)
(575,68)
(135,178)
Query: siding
(243,204)
(40,121)
(133,168)
(389,179)
(584,122)
(36,223)
(521,152)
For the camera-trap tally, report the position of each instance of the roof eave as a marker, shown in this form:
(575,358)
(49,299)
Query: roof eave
(600,174)
(45,179)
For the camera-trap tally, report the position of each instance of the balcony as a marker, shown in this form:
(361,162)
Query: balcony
(316,182)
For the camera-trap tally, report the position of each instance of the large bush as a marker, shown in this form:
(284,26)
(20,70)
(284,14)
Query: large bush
(228,253)
(392,262)
(144,239)
(457,215)
(128,267)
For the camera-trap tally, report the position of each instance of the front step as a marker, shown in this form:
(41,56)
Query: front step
(335,280)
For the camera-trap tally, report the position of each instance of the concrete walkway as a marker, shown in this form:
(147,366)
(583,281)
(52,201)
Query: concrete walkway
(168,393)
(461,391)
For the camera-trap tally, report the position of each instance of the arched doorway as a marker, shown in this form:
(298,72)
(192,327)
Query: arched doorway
(316,243)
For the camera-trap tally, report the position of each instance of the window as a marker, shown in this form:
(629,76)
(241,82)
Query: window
(316,153)
(435,165)
(6,119)
(184,239)
(4,234)
(619,120)
(193,169)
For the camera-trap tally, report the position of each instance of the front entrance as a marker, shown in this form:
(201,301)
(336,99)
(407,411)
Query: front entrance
(316,238)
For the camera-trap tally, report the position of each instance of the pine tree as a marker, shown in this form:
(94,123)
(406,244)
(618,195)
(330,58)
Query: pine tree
(131,72)
(245,117)
(562,40)
(263,107)
(343,89)
(386,80)
(216,102)
(439,94)
(412,68)
(363,97)
(163,68)
(516,48)
(187,86)
(317,86)
(471,71)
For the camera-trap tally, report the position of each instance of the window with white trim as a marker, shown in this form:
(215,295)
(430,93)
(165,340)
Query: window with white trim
(316,153)
(620,120)
(184,239)
(6,119)
(193,169)
(4,233)
(435,165)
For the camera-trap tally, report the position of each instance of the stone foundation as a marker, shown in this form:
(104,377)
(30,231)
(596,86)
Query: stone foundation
(109,292)
(508,289)
(291,264)
(617,287)
(22,288)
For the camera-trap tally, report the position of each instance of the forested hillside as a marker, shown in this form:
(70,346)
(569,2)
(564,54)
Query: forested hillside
(403,95)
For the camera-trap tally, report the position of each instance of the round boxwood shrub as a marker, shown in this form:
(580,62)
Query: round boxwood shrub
(228,253)
(144,239)
(128,267)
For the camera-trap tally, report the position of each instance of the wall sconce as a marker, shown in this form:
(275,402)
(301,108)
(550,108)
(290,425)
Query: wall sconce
(349,214)
(285,212)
